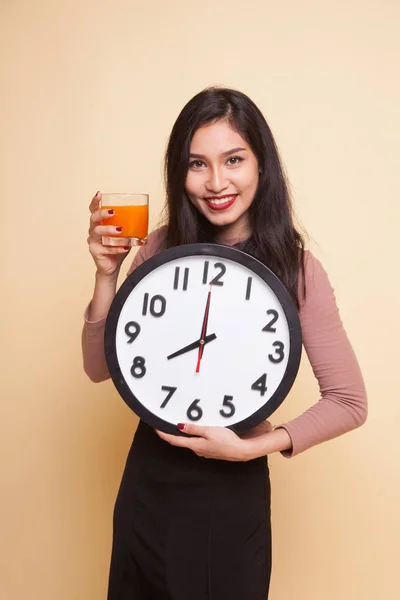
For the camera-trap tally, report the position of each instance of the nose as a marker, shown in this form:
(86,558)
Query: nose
(217,181)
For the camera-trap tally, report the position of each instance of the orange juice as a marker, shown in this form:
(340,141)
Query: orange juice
(134,220)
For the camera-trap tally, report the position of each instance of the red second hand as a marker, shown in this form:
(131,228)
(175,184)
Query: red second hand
(203,332)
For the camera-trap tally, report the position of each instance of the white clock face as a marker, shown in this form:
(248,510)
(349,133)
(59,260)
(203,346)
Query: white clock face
(165,367)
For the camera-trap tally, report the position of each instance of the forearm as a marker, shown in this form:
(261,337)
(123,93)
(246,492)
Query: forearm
(277,440)
(94,360)
(103,295)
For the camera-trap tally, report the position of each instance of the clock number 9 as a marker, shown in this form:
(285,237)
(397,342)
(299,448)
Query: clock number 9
(132,330)
(138,369)
(194,412)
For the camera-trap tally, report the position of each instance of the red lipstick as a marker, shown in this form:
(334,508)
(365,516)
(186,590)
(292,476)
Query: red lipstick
(220,202)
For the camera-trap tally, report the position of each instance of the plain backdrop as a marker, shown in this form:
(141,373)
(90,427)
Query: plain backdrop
(89,93)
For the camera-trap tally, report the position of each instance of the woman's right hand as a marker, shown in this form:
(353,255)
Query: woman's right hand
(108,260)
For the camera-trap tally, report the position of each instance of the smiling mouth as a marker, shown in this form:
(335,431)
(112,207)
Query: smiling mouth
(220,202)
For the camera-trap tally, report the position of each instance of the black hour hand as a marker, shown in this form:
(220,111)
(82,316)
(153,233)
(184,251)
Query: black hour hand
(194,346)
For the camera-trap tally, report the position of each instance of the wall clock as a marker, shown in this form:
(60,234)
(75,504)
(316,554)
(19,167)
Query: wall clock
(203,333)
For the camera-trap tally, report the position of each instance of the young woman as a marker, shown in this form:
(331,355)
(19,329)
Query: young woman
(186,527)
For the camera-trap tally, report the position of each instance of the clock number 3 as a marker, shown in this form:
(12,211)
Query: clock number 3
(138,368)
(279,353)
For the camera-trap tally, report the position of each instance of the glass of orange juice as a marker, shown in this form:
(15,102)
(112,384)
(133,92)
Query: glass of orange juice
(131,212)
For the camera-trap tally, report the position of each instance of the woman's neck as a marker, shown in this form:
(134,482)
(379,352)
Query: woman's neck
(232,234)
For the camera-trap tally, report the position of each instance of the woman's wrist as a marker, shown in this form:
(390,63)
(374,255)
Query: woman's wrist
(104,293)
(107,279)
(277,440)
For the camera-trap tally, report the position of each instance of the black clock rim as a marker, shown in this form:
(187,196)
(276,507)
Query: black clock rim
(219,251)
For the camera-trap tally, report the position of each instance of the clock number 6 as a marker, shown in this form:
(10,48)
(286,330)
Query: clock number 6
(138,369)
(194,412)
(229,405)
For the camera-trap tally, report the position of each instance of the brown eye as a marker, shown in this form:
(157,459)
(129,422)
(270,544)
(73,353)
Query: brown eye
(196,164)
(234,160)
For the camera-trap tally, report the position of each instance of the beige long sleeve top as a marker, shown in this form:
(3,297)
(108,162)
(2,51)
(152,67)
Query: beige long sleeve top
(342,405)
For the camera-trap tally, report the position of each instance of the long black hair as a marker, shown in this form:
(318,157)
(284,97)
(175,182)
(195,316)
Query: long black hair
(274,239)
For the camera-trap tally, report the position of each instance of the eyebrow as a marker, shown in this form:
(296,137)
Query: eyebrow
(192,155)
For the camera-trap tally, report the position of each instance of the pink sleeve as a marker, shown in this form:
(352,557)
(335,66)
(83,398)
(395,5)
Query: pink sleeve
(343,402)
(94,360)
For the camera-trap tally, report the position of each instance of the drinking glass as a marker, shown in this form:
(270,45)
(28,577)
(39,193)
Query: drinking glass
(131,212)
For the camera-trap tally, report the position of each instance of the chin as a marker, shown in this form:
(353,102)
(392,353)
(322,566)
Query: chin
(223,219)
(221,222)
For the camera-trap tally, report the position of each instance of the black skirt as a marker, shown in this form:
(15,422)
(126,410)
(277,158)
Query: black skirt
(189,528)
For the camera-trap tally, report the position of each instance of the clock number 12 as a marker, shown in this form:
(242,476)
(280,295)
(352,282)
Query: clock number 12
(217,279)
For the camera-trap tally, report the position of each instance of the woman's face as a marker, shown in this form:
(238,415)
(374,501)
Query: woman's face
(222,178)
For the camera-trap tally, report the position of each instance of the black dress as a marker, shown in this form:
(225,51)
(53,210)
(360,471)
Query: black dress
(190,528)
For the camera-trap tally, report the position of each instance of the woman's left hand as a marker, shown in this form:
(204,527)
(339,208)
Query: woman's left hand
(211,442)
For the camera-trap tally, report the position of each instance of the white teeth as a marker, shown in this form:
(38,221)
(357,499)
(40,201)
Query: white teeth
(221,200)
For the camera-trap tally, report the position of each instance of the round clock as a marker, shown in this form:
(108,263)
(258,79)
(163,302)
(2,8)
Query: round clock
(203,333)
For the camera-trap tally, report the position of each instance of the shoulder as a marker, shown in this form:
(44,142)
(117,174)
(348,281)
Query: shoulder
(315,277)
(312,267)
(155,241)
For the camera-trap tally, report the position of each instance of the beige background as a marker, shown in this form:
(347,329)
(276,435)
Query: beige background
(89,92)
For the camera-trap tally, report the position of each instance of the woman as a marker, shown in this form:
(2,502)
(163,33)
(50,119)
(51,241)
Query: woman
(186,527)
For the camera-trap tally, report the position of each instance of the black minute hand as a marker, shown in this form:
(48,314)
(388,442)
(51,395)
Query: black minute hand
(194,346)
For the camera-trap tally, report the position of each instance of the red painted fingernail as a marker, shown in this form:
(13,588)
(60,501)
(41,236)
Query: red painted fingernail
(111,212)
(97,193)
(118,228)
(127,247)
(181,426)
